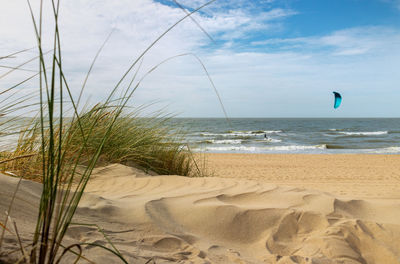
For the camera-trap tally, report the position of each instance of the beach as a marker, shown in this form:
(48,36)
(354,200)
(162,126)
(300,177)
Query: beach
(200,132)
(258,208)
(354,175)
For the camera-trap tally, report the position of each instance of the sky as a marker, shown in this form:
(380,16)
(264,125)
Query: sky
(266,58)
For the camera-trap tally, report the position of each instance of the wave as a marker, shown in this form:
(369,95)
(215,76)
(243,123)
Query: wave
(254,149)
(335,129)
(375,133)
(238,141)
(269,139)
(273,140)
(388,150)
(206,134)
(331,146)
(224,141)
(273,131)
(253,132)
(230,148)
(297,147)
(240,133)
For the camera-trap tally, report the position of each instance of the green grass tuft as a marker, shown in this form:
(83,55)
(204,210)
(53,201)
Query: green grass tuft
(149,143)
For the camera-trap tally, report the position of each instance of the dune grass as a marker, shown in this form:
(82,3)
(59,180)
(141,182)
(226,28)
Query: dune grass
(55,146)
(149,143)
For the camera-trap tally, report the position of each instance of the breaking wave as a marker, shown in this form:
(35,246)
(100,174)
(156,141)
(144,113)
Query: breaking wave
(240,133)
(375,133)
(254,149)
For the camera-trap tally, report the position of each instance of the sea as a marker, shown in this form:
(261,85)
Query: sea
(279,135)
(291,135)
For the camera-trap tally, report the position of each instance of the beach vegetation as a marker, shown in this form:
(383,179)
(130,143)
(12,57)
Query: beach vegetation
(63,144)
(149,143)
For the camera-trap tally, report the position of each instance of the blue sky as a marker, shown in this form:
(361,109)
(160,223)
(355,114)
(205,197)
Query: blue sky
(323,17)
(269,58)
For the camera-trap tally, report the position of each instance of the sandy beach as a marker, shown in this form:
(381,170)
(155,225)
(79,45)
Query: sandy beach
(200,132)
(257,209)
(354,175)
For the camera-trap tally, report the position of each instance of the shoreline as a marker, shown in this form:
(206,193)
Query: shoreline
(366,176)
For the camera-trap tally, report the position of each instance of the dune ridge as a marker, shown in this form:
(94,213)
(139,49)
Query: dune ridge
(223,220)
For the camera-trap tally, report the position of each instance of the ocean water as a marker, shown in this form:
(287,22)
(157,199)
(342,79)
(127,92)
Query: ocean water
(275,135)
(292,135)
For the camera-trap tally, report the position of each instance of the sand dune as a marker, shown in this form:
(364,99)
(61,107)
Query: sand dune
(221,220)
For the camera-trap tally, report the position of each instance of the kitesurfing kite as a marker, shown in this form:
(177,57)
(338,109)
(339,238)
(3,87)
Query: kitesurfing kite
(338,100)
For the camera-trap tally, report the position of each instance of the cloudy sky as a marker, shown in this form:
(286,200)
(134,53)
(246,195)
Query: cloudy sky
(267,58)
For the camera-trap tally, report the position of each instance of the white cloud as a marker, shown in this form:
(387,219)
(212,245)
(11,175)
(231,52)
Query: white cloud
(86,23)
(353,41)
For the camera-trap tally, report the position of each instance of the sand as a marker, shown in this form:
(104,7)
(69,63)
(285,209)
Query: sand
(354,175)
(260,209)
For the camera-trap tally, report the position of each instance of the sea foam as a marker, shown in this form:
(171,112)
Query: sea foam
(374,133)
(254,149)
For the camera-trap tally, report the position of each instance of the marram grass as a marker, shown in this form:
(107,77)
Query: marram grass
(55,146)
(147,142)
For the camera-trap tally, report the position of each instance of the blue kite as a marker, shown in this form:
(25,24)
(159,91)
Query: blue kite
(338,100)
